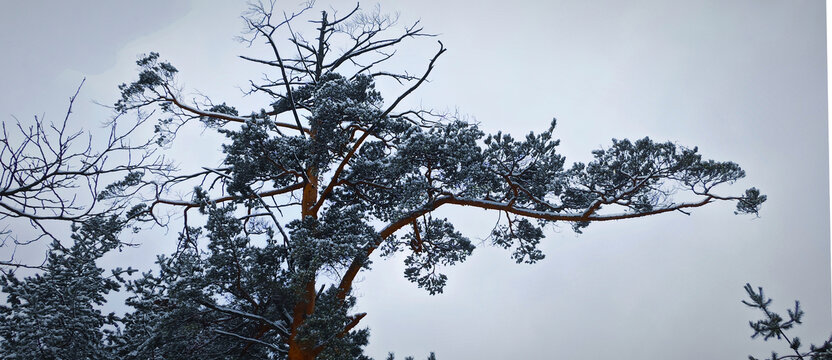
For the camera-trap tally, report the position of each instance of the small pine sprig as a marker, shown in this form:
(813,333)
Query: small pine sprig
(774,326)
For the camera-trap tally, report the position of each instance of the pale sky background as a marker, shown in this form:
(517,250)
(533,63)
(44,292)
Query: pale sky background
(745,80)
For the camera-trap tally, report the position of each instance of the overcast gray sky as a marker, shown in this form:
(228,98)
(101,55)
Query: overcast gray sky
(745,80)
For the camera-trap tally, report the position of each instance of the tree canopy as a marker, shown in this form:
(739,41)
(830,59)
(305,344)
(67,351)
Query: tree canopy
(329,173)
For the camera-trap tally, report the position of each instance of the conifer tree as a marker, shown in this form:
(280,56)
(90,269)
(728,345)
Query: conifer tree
(329,173)
(332,150)
(53,315)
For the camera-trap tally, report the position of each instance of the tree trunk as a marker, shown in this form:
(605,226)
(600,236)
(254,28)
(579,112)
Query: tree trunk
(296,353)
(305,307)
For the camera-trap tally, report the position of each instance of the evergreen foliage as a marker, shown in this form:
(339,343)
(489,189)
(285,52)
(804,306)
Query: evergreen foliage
(772,325)
(310,188)
(54,315)
(392,356)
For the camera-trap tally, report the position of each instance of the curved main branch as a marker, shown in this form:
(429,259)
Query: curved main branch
(346,282)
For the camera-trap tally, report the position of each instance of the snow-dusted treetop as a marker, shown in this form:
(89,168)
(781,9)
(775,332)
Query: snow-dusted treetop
(330,172)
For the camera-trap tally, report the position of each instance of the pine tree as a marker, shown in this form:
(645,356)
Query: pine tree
(329,173)
(53,315)
(345,161)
